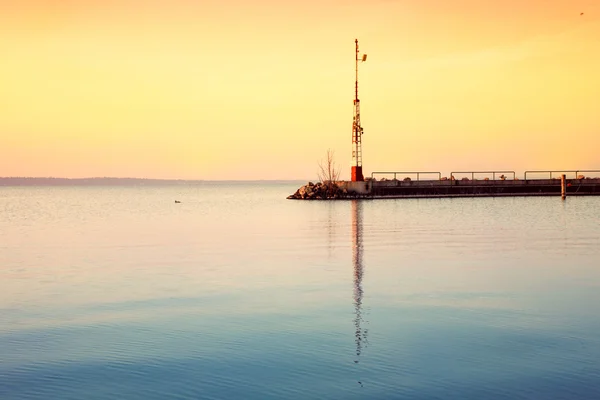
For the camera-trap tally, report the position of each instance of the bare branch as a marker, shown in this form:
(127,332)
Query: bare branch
(329,172)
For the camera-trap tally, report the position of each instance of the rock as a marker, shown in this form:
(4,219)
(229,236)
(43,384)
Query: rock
(319,190)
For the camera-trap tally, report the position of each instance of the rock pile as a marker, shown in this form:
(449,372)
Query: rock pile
(319,191)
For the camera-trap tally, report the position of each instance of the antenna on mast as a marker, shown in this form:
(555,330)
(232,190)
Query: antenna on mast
(357,129)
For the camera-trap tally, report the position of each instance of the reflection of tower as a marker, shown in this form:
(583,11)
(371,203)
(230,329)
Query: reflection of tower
(357,130)
(330,229)
(357,261)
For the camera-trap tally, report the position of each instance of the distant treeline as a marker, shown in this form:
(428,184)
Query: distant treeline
(22,181)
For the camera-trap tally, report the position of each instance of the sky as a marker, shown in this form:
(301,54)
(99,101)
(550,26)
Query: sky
(232,89)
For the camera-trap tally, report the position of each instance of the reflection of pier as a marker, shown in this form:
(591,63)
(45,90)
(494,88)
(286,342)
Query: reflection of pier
(357,261)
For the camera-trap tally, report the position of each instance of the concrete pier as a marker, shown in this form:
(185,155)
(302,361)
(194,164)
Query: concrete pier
(460,184)
(481,188)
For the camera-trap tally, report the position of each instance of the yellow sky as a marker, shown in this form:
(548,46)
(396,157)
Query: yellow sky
(259,90)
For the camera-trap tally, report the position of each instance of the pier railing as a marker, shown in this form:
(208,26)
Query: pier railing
(558,173)
(500,174)
(481,175)
(418,174)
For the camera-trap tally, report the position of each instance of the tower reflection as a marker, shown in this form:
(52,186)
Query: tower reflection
(331,225)
(357,260)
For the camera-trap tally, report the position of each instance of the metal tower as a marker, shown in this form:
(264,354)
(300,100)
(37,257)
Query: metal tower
(357,129)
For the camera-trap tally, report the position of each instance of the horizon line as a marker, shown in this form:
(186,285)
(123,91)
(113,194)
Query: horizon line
(144,179)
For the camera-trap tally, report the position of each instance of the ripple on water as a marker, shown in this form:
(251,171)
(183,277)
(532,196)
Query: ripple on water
(239,293)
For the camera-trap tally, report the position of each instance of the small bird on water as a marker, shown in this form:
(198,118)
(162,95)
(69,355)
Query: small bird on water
(177,201)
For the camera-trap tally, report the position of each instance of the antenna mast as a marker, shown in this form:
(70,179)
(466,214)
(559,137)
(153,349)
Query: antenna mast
(357,129)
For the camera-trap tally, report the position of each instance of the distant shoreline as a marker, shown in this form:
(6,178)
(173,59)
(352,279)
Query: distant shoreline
(37,181)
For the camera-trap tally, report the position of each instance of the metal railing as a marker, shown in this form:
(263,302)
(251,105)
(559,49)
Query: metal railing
(473,174)
(493,173)
(417,173)
(576,172)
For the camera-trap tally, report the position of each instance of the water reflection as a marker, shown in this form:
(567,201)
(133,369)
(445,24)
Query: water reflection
(357,261)
(331,225)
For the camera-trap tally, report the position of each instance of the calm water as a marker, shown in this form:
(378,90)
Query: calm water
(237,293)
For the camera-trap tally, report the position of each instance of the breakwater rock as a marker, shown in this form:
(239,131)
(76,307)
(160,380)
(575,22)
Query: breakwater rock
(319,191)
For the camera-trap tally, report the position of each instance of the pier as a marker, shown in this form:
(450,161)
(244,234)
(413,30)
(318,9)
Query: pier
(476,184)
(392,185)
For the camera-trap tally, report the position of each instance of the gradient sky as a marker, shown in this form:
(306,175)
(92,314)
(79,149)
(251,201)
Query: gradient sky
(260,89)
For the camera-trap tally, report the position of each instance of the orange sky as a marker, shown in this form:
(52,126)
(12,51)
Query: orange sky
(259,90)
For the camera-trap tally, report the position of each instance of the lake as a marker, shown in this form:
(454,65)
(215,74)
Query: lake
(118,292)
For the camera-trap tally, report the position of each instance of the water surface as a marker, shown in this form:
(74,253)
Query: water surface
(119,292)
